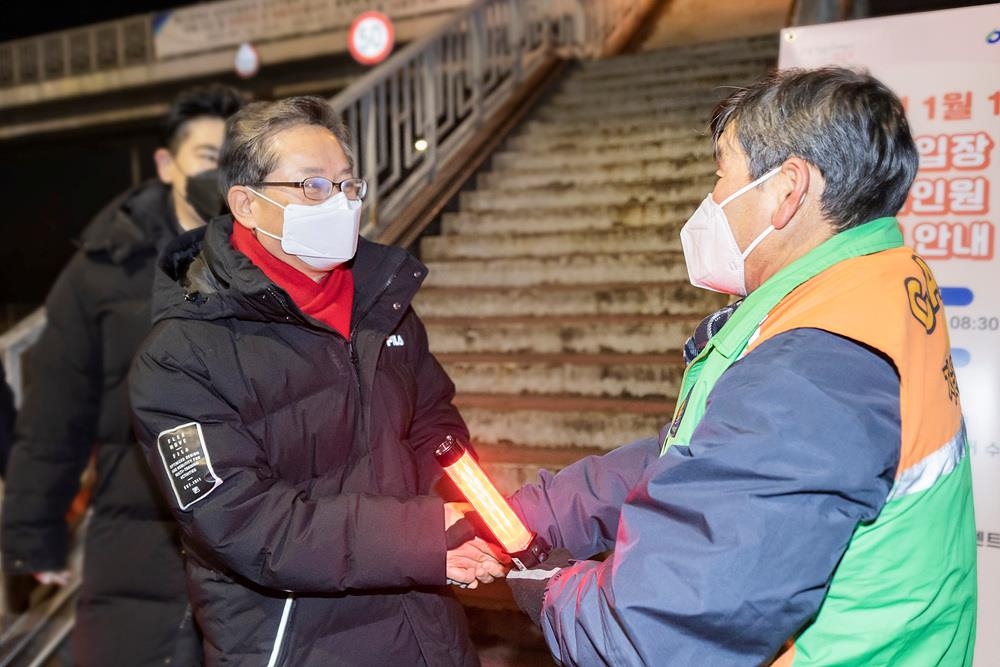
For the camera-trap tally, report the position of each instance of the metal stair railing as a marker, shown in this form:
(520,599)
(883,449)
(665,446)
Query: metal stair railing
(14,343)
(29,640)
(412,113)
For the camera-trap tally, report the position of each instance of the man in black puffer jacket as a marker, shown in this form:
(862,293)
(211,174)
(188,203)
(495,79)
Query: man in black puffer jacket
(132,605)
(289,408)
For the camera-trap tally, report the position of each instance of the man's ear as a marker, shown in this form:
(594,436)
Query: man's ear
(164,165)
(239,199)
(794,183)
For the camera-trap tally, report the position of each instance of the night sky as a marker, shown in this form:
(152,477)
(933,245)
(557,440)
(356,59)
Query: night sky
(29,19)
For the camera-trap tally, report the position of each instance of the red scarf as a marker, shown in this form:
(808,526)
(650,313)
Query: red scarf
(329,300)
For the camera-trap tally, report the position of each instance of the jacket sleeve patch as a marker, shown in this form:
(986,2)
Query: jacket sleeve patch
(187,463)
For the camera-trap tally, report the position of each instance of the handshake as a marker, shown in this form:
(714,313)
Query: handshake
(472,560)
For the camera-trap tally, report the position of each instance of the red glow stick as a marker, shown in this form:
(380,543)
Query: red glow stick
(525,547)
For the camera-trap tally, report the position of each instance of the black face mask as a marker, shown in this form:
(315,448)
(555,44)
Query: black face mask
(204,196)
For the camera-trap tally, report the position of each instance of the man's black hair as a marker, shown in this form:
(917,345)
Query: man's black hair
(212,101)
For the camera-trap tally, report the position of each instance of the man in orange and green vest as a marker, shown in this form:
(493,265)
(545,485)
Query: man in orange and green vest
(810,502)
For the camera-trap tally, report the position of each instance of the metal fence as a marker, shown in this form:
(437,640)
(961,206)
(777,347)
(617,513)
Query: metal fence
(111,45)
(413,112)
(95,48)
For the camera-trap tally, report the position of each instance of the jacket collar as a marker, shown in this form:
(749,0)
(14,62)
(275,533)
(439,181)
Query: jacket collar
(201,276)
(139,220)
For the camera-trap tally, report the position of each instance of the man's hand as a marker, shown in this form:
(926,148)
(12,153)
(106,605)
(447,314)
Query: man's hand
(60,578)
(470,559)
(528,586)
(475,561)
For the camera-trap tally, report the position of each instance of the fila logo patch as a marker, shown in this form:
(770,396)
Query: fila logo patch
(394,340)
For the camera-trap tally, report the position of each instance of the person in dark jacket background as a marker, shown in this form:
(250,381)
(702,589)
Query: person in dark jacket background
(289,408)
(132,606)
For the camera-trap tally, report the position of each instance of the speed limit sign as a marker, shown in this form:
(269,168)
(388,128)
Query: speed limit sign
(370,38)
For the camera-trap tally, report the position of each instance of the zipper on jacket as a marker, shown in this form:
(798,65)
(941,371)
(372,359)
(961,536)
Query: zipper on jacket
(284,305)
(378,295)
(352,351)
(282,629)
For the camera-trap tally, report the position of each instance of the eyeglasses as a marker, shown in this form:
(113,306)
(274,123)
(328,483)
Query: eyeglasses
(319,188)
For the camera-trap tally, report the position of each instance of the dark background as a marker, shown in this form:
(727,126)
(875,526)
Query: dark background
(33,19)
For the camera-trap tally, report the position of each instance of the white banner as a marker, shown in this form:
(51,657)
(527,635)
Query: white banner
(215,25)
(945,66)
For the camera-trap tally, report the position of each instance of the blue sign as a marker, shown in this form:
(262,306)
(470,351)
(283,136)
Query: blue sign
(956,296)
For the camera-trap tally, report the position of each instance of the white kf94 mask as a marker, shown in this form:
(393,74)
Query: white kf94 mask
(714,261)
(324,235)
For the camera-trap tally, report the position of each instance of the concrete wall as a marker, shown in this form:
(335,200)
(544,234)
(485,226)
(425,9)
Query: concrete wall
(681,22)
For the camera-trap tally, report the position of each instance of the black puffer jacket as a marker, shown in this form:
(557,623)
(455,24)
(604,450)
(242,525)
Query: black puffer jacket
(133,597)
(312,534)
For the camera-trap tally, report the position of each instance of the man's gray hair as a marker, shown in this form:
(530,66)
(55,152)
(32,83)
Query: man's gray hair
(248,154)
(846,123)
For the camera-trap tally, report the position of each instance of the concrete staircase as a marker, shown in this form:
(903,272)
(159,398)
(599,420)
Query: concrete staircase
(557,296)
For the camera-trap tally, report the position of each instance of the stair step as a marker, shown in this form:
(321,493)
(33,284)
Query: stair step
(529,202)
(670,69)
(635,172)
(554,140)
(585,124)
(603,429)
(623,87)
(662,78)
(563,404)
(622,125)
(677,298)
(570,218)
(563,335)
(595,376)
(595,103)
(625,106)
(512,466)
(617,268)
(700,49)
(719,55)
(496,246)
(693,149)
(614,98)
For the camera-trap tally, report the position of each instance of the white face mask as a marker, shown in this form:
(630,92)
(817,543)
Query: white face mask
(323,236)
(714,261)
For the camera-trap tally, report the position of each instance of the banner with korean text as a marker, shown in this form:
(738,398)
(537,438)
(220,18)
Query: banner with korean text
(945,66)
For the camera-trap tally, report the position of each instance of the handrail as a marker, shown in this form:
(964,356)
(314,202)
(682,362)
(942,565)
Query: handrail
(50,619)
(411,114)
(14,343)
